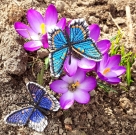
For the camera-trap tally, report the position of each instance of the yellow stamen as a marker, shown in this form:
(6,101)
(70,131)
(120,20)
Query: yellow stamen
(74,85)
(106,70)
(42,27)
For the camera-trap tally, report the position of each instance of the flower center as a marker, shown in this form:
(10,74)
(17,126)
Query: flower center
(106,70)
(72,87)
(42,27)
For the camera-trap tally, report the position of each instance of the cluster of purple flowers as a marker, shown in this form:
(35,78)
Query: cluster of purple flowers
(75,85)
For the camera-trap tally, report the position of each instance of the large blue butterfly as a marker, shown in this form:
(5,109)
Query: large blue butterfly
(33,114)
(77,41)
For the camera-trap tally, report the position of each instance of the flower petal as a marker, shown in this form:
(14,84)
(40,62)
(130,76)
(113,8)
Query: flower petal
(81,96)
(119,70)
(32,45)
(114,61)
(86,64)
(62,23)
(35,20)
(25,31)
(102,77)
(103,63)
(59,86)
(67,100)
(114,80)
(103,46)
(79,75)
(88,84)
(44,40)
(51,15)
(70,68)
(110,74)
(94,31)
(67,79)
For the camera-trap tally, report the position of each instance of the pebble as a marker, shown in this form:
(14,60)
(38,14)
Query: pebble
(60,131)
(125,103)
(68,121)
(93,20)
(42,53)
(105,29)
(60,5)
(89,116)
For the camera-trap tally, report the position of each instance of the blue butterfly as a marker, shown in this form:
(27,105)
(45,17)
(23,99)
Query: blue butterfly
(78,41)
(33,114)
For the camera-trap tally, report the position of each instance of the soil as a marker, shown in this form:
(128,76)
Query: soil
(107,113)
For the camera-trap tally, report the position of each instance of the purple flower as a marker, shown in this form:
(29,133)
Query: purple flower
(73,88)
(103,46)
(39,26)
(108,68)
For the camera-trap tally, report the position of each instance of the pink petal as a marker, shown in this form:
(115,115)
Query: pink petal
(114,61)
(67,100)
(103,63)
(51,16)
(81,96)
(103,46)
(35,19)
(94,31)
(88,84)
(67,79)
(59,86)
(32,45)
(119,70)
(110,74)
(45,41)
(62,23)
(86,64)
(79,76)
(114,80)
(72,67)
(25,31)
(102,77)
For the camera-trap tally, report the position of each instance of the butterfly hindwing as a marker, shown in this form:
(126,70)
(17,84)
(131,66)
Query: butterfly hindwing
(43,99)
(19,117)
(37,121)
(56,38)
(57,59)
(88,49)
(78,30)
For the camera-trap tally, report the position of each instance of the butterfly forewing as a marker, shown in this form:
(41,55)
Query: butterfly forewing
(44,100)
(19,117)
(78,30)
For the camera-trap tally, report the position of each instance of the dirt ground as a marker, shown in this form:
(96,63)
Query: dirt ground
(107,113)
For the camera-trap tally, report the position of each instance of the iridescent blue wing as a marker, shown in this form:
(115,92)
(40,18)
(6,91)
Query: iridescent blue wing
(19,117)
(37,121)
(56,38)
(41,98)
(57,59)
(78,30)
(87,49)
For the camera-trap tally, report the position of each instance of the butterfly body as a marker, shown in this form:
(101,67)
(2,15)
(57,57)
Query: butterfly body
(64,44)
(33,115)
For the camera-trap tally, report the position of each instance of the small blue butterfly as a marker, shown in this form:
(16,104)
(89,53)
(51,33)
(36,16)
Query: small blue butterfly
(78,41)
(33,114)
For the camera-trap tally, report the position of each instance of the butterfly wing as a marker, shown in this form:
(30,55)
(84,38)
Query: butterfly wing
(37,121)
(57,40)
(57,59)
(41,98)
(78,30)
(19,117)
(88,49)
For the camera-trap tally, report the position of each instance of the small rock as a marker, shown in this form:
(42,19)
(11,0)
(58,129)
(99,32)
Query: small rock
(68,121)
(42,53)
(93,20)
(110,132)
(105,29)
(93,93)
(89,116)
(130,112)
(60,131)
(60,5)
(125,103)
(120,20)
(68,127)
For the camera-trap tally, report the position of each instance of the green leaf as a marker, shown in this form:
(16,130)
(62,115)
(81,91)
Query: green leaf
(128,72)
(46,62)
